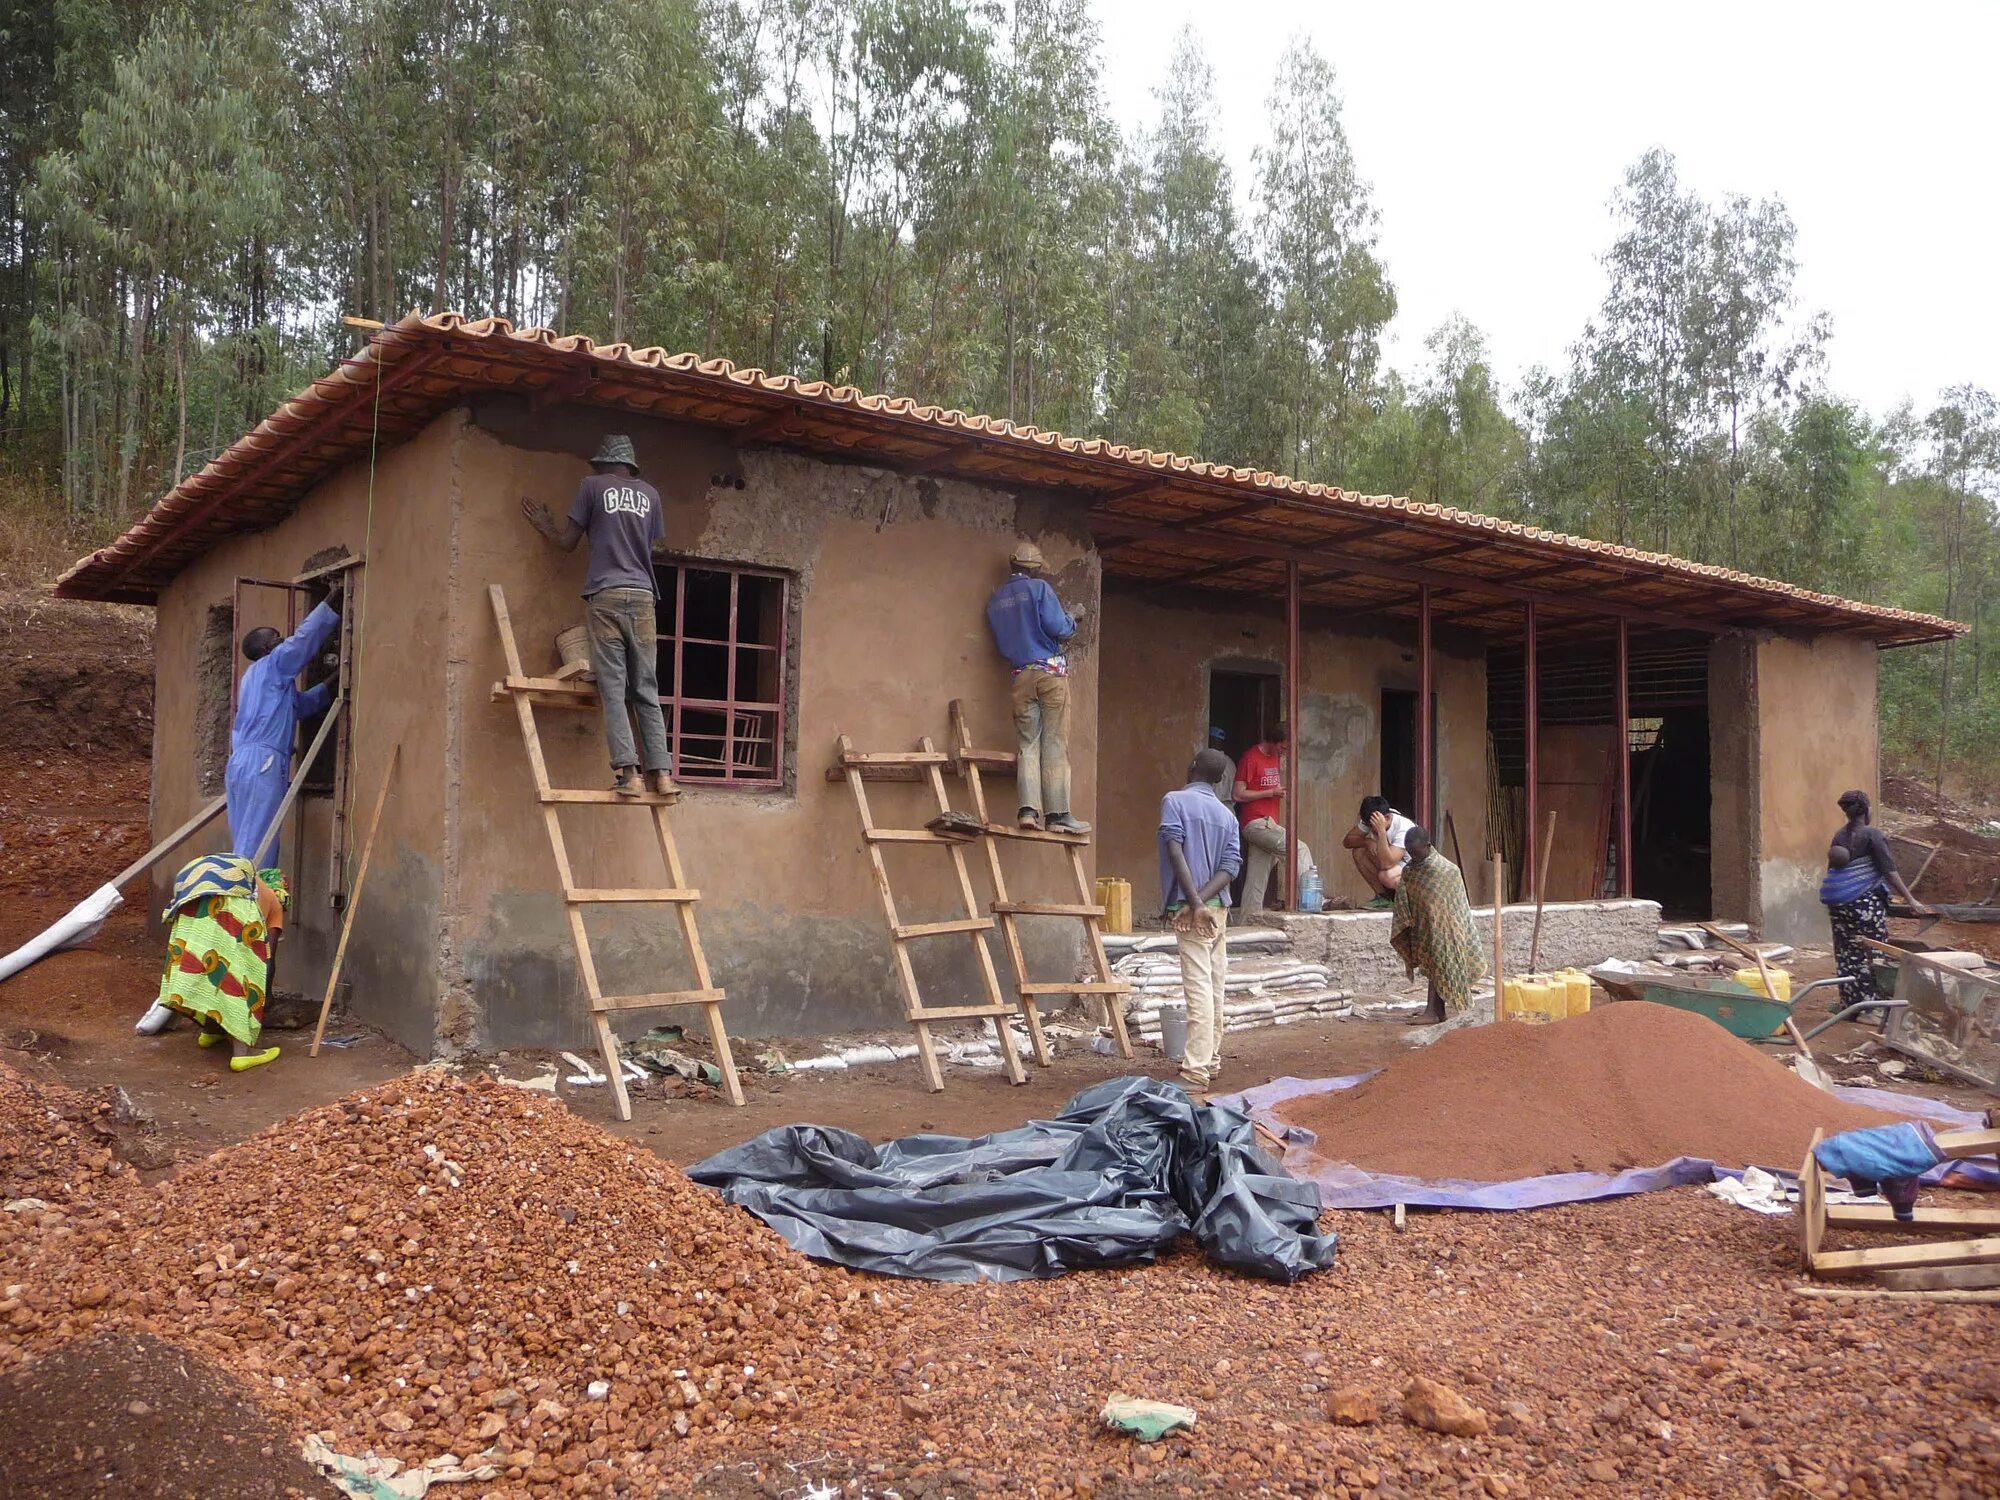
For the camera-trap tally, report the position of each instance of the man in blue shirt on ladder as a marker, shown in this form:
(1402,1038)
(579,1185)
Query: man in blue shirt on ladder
(1031,628)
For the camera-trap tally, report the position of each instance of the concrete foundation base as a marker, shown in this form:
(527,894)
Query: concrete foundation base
(1354,945)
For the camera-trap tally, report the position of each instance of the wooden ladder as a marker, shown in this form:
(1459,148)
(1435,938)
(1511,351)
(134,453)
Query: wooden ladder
(927,760)
(1009,911)
(555,692)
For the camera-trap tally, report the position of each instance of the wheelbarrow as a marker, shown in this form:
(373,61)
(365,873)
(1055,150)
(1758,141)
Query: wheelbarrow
(1736,1008)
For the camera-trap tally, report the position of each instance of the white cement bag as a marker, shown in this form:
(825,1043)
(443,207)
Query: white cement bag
(80,925)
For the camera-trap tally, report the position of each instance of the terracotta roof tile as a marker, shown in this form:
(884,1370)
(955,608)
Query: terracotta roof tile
(412,371)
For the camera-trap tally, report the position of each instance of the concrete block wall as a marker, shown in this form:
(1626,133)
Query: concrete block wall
(1354,945)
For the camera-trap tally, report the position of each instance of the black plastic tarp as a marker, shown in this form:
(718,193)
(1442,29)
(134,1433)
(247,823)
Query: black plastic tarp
(1123,1171)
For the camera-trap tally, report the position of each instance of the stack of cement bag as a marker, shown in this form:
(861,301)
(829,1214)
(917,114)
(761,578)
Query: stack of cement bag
(1266,986)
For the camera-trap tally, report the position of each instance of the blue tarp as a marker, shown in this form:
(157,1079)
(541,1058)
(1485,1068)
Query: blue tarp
(1343,1185)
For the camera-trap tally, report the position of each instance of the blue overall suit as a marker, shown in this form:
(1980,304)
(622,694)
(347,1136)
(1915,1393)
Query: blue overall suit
(269,705)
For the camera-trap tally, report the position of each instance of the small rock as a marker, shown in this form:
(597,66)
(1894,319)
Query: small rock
(916,1408)
(1438,1408)
(1915,1450)
(396,1421)
(139,1409)
(1354,1406)
(502,1399)
(1603,1470)
(490,1426)
(597,1390)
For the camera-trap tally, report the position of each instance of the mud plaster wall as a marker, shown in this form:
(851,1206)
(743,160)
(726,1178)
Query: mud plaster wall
(1153,717)
(391,968)
(1817,736)
(889,580)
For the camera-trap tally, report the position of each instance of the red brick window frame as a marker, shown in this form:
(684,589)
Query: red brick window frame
(724,671)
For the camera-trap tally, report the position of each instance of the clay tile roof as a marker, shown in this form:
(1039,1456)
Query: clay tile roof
(1159,518)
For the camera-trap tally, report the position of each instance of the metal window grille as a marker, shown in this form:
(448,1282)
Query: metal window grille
(723,671)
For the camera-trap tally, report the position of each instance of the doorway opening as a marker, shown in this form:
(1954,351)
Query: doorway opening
(1242,702)
(1398,771)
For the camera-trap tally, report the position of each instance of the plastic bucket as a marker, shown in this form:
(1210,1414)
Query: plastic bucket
(573,646)
(1173,1031)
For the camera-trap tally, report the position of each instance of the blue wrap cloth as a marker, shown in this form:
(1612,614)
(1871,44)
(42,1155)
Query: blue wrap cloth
(1881,1153)
(269,705)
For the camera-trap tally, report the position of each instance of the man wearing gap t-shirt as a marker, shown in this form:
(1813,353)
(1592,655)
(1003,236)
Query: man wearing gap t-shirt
(621,515)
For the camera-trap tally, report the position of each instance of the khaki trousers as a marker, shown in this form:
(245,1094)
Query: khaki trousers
(1041,735)
(1204,967)
(1263,848)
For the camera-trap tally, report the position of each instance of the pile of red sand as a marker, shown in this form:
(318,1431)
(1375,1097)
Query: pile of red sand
(1627,1085)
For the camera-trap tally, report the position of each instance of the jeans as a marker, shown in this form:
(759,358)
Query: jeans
(1264,847)
(1204,967)
(625,655)
(1041,732)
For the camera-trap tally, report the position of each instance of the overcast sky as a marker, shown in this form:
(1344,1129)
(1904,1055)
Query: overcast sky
(1493,134)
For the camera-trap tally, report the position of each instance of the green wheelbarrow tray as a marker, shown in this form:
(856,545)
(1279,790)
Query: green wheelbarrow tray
(1736,1008)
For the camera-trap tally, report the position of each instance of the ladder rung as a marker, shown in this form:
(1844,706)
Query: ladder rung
(544,697)
(907,836)
(1045,909)
(897,758)
(609,798)
(647,1002)
(962,1012)
(563,685)
(1040,835)
(591,896)
(1081,987)
(992,760)
(939,929)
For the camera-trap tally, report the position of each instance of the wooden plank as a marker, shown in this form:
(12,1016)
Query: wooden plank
(1812,1207)
(1958,1144)
(153,855)
(270,838)
(988,760)
(1047,909)
(1077,987)
(1927,1221)
(545,700)
(939,929)
(961,1012)
(555,687)
(910,774)
(1035,835)
(1908,1257)
(654,1002)
(918,758)
(575,796)
(905,836)
(596,895)
(354,897)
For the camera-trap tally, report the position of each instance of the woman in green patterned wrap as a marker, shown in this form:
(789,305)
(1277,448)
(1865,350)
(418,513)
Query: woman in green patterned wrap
(225,918)
(1432,930)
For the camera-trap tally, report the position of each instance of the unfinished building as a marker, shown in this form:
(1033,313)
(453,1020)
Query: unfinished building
(827,560)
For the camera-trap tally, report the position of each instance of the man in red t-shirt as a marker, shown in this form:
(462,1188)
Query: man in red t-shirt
(1260,797)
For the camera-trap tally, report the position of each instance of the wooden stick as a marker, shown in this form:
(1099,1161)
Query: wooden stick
(152,856)
(1878,1295)
(354,897)
(1499,933)
(1541,889)
(1925,869)
(1770,984)
(1451,831)
(298,781)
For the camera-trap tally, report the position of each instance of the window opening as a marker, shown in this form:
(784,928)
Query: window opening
(723,672)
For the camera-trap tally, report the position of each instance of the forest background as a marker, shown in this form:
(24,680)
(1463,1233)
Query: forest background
(925,197)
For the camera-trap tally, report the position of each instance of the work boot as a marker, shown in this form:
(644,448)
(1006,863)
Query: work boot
(1064,823)
(628,783)
(1030,820)
(661,783)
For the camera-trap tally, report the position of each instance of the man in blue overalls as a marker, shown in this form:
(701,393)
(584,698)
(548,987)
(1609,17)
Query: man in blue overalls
(269,705)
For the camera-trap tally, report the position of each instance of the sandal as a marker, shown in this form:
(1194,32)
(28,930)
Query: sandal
(253,1060)
(211,1038)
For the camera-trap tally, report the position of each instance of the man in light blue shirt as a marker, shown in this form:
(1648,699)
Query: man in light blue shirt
(269,706)
(1031,628)
(1201,852)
